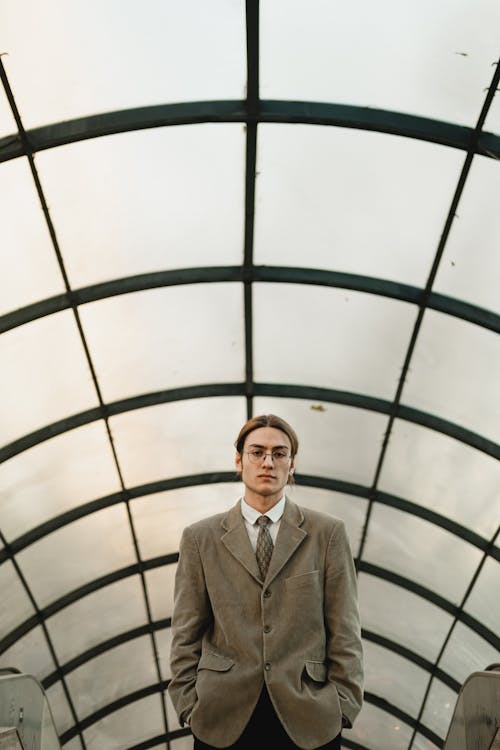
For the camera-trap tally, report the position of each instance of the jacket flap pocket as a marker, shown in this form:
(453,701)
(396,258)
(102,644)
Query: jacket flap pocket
(304,579)
(316,670)
(211,660)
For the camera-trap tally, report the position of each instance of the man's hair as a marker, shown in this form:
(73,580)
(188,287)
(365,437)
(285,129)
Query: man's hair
(267,420)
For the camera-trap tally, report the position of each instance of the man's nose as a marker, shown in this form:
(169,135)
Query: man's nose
(268,458)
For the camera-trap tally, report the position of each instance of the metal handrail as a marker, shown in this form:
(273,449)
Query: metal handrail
(476,720)
(25,717)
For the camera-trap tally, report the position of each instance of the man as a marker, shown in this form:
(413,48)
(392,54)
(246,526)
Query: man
(266,641)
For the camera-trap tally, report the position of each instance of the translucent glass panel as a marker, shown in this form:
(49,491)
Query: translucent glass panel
(439,708)
(60,708)
(398,680)
(349,508)
(122,55)
(165,338)
(111,675)
(73,744)
(52,348)
(19,606)
(467,652)
(422,743)
(332,440)
(78,553)
(379,730)
(183,743)
(354,201)
(128,726)
(160,586)
(419,550)
(185,437)
(429,60)
(54,477)
(444,475)
(29,654)
(28,265)
(147,201)
(160,519)
(107,612)
(481,604)
(163,644)
(455,373)
(470,268)
(402,616)
(353,341)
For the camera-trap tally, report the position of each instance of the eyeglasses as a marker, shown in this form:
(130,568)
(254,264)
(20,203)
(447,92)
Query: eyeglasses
(257,455)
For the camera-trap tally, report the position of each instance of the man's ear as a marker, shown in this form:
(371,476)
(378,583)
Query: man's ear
(237,461)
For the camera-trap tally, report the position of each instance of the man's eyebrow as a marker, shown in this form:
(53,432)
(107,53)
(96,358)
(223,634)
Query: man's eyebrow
(275,447)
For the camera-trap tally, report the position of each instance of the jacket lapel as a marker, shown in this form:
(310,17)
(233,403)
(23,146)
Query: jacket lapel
(236,541)
(290,536)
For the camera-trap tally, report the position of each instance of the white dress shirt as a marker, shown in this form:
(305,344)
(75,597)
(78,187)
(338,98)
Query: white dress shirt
(250,516)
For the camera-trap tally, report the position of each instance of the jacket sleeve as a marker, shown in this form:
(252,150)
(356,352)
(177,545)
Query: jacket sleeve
(191,619)
(344,649)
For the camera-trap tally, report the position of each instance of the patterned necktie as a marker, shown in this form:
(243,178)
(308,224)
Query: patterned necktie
(264,548)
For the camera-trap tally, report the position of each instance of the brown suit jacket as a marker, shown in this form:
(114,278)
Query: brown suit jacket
(297,632)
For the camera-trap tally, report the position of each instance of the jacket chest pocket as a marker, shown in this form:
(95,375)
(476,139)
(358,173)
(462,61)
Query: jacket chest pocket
(303,580)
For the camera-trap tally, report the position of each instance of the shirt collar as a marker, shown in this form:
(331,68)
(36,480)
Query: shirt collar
(251,515)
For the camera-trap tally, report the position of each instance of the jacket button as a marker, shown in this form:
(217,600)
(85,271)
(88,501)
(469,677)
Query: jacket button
(267,628)
(267,666)
(267,593)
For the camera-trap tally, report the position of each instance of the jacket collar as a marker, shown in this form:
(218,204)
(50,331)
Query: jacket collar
(290,536)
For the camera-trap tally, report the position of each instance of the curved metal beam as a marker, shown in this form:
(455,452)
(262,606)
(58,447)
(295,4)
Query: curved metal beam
(194,480)
(156,562)
(270,111)
(101,648)
(277,390)
(139,632)
(130,698)
(274,274)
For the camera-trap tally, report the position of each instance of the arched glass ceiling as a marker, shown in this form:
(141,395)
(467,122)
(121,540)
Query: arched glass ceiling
(214,210)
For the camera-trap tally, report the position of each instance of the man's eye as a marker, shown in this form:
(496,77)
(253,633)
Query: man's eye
(257,453)
(280,454)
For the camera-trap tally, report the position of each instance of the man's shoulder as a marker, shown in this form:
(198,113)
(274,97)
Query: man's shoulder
(210,523)
(319,519)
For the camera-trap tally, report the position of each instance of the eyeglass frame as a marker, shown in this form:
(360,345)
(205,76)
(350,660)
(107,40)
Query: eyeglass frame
(259,459)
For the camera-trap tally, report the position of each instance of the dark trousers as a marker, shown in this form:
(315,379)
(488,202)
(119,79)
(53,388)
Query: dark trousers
(265,732)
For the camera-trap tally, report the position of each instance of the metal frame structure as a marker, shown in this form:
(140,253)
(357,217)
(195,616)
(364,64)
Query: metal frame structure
(253,111)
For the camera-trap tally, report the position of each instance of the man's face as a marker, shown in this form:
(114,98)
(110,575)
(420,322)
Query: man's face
(264,475)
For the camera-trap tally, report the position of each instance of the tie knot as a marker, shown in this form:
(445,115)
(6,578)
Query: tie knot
(263,521)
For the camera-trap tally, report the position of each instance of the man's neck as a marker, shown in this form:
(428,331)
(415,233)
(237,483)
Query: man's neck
(262,503)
